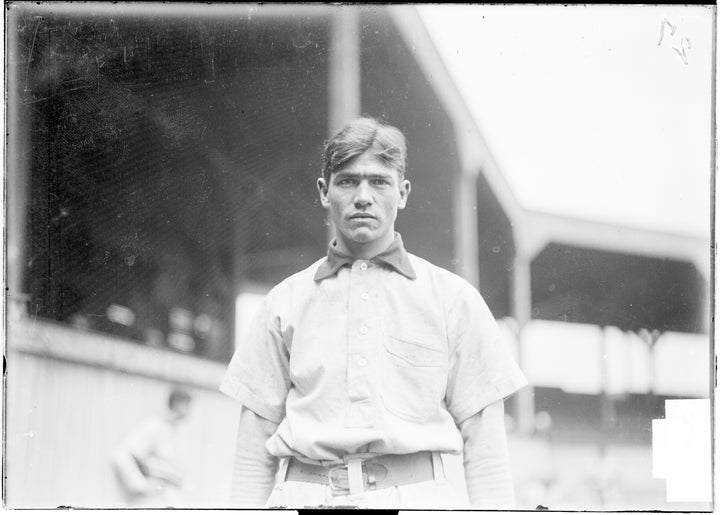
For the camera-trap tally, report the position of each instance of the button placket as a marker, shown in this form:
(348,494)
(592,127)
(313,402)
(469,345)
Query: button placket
(361,321)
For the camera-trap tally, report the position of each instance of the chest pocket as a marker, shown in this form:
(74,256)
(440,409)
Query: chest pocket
(414,375)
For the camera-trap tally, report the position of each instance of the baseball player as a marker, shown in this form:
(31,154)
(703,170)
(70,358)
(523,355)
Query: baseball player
(362,372)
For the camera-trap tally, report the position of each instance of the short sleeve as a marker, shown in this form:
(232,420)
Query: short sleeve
(258,373)
(481,369)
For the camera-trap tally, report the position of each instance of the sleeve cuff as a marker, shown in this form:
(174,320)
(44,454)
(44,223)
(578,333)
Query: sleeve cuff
(248,399)
(499,390)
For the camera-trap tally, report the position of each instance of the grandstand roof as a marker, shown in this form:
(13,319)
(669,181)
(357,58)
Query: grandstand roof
(582,118)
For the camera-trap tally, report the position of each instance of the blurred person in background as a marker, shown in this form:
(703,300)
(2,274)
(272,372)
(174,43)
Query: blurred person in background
(361,372)
(145,462)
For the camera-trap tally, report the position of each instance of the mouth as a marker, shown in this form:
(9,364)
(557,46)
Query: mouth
(361,216)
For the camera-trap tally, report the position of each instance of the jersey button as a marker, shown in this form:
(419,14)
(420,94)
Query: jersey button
(363,266)
(365,296)
(363,330)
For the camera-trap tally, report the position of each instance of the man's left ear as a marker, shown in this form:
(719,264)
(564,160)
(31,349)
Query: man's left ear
(404,193)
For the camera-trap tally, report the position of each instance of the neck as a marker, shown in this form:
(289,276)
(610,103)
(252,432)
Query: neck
(364,250)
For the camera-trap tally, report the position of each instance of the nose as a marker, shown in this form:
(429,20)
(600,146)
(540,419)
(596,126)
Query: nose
(363,194)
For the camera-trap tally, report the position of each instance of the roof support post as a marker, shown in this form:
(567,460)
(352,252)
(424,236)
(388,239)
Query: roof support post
(522,312)
(466,228)
(343,67)
(343,71)
(18,176)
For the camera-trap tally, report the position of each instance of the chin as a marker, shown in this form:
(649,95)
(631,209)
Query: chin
(361,236)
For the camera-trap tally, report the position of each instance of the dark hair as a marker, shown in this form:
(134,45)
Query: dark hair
(178,396)
(361,135)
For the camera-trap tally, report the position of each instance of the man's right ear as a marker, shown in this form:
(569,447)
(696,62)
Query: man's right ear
(322,187)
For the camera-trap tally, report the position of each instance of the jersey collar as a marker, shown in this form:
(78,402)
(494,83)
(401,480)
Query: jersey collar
(394,256)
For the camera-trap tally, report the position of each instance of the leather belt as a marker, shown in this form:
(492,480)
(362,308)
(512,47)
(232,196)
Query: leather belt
(363,472)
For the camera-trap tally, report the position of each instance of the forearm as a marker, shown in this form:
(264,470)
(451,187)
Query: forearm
(130,475)
(254,468)
(486,460)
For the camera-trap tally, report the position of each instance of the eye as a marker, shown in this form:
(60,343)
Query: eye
(380,181)
(345,181)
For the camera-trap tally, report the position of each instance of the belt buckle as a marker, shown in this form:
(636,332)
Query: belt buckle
(336,488)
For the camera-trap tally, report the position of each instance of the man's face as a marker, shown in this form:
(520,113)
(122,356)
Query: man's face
(363,198)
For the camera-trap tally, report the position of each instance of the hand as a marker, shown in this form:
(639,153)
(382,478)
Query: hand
(163,471)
